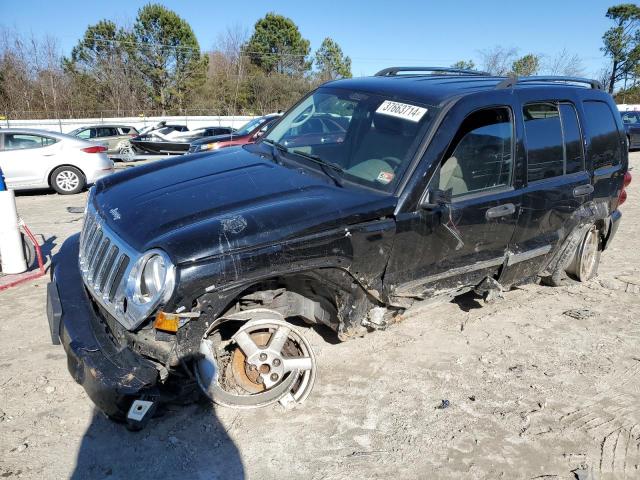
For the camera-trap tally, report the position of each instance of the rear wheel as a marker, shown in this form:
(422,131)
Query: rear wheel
(585,262)
(67,180)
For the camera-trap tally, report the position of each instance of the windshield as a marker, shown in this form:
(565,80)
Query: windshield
(75,132)
(368,139)
(247,128)
(631,117)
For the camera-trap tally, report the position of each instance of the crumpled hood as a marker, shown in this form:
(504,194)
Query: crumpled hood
(202,205)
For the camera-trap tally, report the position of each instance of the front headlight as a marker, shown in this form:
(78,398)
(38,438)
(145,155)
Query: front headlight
(213,146)
(151,281)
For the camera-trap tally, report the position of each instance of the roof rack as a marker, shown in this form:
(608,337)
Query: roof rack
(393,71)
(513,81)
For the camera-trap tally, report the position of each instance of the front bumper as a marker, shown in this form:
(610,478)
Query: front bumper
(112,376)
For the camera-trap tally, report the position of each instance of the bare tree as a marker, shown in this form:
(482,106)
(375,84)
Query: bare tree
(564,63)
(604,77)
(498,60)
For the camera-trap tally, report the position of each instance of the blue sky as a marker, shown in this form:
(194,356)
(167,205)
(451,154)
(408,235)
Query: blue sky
(374,33)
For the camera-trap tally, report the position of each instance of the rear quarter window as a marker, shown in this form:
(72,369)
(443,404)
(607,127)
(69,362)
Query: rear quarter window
(601,127)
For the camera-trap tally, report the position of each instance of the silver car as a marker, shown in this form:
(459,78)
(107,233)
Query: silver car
(114,137)
(32,159)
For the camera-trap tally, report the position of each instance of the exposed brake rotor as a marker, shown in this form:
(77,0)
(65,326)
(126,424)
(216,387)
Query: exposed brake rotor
(265,361)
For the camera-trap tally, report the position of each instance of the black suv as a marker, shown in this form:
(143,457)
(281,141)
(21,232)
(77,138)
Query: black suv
(368,195)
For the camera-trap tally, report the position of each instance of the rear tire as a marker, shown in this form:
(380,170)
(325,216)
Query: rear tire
(67,180)
(585,262)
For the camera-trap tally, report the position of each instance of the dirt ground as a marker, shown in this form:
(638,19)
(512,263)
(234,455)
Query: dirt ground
(532,391)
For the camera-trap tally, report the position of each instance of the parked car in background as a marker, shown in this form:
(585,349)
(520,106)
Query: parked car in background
(631,120)
(248,133)
(176,142)
(39,159)
(111,136)
(160,139)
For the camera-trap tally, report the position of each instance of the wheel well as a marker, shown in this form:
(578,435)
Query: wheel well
(300,295)
(50,177)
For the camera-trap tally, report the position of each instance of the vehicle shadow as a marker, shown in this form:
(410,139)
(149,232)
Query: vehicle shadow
(187,442)
(47,247)
(468,301)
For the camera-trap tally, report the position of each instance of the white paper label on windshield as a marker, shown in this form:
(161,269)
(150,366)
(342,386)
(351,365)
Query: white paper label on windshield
(402,110)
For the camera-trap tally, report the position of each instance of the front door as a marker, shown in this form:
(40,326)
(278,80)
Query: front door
(452,245)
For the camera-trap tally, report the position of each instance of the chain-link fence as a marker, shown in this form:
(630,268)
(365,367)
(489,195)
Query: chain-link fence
(139,121)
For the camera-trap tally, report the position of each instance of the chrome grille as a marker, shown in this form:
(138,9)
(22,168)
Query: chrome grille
(105,261)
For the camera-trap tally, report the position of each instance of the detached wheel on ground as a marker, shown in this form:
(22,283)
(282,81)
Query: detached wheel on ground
(67,180)
(585,262)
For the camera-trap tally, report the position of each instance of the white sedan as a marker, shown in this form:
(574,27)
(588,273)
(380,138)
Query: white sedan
(32,159)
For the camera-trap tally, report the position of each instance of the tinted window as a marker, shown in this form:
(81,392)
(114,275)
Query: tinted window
(107,132)
(125,130)
(19,141)
(601,127)
(480,158)
(574,153)
(543,130)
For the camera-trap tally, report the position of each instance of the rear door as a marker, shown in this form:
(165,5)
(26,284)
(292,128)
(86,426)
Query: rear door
(557,181)
(109,137)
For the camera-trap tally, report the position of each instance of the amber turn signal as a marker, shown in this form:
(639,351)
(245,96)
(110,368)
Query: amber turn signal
(167,322)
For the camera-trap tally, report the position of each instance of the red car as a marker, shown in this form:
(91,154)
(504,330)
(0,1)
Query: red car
(249,133)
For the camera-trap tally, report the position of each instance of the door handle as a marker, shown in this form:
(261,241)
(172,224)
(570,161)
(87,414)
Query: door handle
(583,190)
(500,211)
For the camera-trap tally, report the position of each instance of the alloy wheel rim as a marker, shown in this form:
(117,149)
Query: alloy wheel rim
(589,252)
(67,180)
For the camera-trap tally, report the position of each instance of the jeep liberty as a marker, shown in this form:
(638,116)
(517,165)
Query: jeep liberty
(196,273)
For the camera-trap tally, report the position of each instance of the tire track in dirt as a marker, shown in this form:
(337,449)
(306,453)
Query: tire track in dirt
(612,419)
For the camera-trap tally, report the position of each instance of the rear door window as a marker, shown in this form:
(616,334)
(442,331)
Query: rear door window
(574,152)
(602,129)
(107,132)
(545,150)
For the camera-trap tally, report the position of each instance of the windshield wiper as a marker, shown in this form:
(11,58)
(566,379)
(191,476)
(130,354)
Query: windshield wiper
(324,165)
(276,149)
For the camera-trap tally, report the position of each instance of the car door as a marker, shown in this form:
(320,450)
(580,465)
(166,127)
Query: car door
(452,244)
(25,158)
(107,136)
(557,181)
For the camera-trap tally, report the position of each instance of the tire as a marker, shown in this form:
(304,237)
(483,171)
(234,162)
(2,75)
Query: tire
(67,180)
(585,262)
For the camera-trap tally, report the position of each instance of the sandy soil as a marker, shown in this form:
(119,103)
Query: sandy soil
(532,392)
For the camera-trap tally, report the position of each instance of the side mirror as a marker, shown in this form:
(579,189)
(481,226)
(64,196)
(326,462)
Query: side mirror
(436,199)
